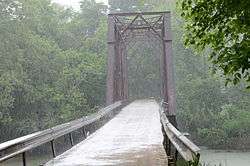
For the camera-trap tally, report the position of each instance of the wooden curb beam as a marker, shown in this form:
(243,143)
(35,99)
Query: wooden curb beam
(186,148)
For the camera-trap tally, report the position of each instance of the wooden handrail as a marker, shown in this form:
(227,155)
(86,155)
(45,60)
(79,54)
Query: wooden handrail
(20,145)
(186,148)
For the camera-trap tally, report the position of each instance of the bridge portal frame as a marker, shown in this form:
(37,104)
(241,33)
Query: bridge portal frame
(120,28)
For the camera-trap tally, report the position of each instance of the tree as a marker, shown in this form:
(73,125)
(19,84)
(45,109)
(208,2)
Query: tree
(52,64)
(224,27)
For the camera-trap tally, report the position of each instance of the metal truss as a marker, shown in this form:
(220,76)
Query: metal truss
(138,24)
(125,29)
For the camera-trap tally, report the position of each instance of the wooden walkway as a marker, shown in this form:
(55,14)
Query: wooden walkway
(133,137)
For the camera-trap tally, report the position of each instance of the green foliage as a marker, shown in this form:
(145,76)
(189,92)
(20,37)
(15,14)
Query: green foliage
(51,64)
(224,27)
(232,124)
(143,70)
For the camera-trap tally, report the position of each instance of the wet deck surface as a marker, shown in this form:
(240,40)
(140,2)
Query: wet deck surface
(133,137)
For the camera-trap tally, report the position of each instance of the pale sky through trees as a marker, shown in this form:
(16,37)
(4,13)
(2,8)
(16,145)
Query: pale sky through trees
(74,3)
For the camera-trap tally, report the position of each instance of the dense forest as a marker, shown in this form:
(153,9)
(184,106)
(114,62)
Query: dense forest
(53,69)
(52,64)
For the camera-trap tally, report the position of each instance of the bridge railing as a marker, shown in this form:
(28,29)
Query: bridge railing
(23,144)
(174,138)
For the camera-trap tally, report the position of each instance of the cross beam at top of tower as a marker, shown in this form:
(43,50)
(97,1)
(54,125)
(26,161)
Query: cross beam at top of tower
(139,23)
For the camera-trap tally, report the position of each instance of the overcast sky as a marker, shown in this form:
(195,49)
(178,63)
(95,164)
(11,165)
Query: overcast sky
(75,3)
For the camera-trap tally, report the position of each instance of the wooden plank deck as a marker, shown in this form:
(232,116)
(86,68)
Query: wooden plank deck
(133,137)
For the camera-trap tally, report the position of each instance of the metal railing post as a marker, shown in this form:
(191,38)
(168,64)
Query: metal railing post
(84,132)
(176,156)
(24,158)
(53,148)
(71,139)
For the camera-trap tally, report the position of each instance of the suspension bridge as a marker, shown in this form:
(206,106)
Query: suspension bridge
(141,132)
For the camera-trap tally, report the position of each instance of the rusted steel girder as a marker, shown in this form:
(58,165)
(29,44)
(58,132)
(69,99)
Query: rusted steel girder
(168,74)
(117,66)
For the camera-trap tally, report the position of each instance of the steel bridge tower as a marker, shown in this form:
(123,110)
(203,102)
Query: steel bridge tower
(121,28)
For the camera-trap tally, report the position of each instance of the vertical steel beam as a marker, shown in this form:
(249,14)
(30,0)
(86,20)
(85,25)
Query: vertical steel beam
(125,73)
(116,78)
(168,74)
(122,72)
(118,69)
(111,62)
